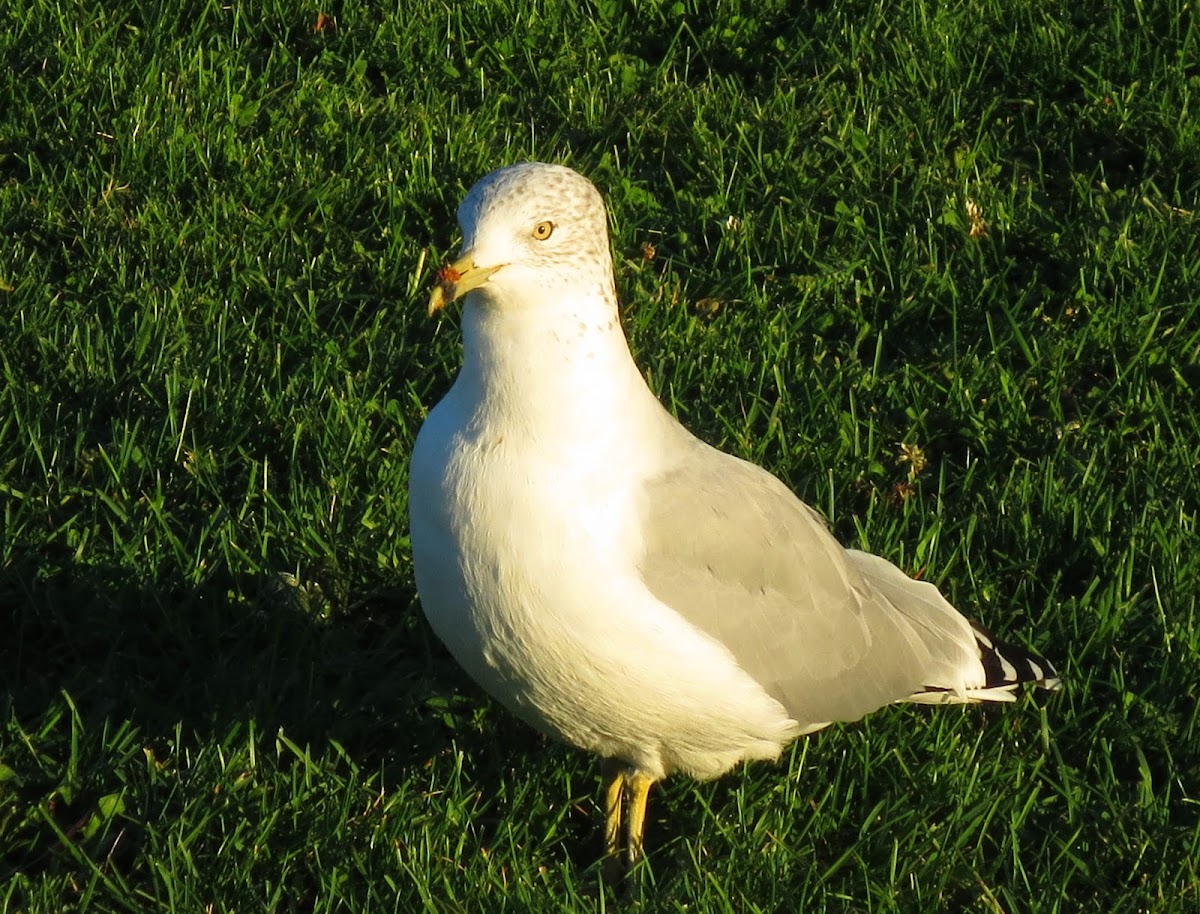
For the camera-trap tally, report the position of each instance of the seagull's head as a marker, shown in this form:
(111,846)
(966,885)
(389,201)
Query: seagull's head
(531,232)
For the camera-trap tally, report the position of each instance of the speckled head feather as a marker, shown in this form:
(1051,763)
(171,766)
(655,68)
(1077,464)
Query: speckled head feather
(531,191)
(500,212)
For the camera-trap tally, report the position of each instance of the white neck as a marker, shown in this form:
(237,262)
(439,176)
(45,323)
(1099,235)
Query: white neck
(560,369)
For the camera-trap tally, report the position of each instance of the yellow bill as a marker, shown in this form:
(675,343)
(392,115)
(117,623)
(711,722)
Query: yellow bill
(455,280)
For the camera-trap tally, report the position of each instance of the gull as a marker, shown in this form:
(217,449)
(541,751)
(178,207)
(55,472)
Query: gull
(613,580)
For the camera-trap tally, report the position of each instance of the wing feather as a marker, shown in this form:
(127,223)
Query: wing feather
(830,633)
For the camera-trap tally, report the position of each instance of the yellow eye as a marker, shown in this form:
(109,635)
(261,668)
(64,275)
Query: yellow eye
(543,230)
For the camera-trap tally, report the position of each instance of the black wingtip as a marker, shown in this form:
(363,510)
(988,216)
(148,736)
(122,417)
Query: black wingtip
(1007,664)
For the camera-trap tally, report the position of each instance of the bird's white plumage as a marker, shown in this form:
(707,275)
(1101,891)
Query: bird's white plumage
(608,577)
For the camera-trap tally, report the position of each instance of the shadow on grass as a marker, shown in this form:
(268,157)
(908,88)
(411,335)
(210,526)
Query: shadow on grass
(162,667)
(158,653)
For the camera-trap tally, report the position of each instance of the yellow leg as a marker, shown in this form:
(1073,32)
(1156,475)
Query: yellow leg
(625,798)
(614,796)
(638,786)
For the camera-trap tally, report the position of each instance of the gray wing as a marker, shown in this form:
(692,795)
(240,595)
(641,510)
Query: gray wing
(830,633)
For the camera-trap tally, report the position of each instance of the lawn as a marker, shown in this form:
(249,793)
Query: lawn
(845,234)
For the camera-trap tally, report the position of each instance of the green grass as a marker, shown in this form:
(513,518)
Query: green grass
(216,229)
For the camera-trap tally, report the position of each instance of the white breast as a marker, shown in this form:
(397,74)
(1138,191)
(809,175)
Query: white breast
(525,572)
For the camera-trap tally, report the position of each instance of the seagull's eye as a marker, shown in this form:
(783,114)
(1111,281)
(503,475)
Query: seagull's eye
(543,230)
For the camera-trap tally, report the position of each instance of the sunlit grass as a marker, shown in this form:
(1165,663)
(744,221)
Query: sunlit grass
(841,235)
